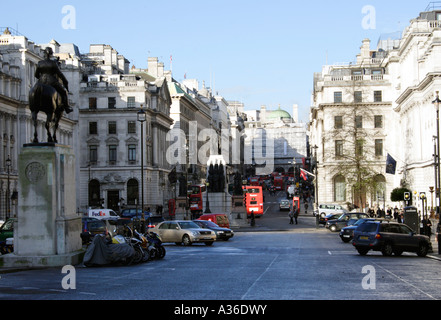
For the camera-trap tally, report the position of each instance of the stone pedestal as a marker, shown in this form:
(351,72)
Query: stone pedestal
(238,212)
(47,230)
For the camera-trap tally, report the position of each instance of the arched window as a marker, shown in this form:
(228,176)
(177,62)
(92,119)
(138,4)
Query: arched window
(94,193)
(379,188)
(132,191)
(339,189)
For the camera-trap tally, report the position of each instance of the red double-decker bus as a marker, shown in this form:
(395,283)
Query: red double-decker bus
(278,182)
(253,200)
(195,198)
(254,181)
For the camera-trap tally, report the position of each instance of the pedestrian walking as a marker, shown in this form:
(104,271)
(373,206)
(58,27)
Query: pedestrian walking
(291,217)
(296,213)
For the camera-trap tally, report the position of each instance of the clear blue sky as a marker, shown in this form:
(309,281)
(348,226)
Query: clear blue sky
(258,52)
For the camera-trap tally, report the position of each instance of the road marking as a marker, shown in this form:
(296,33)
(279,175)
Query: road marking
(260,277)
(406,282)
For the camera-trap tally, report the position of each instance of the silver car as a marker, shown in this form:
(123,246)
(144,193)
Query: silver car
(284,205)
(184,232)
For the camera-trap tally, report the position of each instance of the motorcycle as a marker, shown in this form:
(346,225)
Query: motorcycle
(153,237)
(136,244)
(151,244)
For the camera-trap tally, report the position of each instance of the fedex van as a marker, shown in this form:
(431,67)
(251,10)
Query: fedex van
(102,214)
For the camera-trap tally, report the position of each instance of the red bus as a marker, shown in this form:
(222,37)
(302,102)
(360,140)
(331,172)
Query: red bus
(253,199)
(254,181)
(195,198)
(278,182)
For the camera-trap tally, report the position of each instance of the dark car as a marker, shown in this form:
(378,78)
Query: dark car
(347,233)
(221,233)
(92,227)
(343,220)
(389,238)
(153,221)
(133,214)
(331,216)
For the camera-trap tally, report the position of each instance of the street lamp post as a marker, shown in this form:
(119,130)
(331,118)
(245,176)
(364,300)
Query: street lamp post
(8,190)
(436,102)
(142,119)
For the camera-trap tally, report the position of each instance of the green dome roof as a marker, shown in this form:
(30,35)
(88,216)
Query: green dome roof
(278,114)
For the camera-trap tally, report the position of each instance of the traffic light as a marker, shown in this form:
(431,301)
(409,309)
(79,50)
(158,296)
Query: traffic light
(406,196)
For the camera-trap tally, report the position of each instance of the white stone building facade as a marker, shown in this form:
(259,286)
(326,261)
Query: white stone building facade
(408,76)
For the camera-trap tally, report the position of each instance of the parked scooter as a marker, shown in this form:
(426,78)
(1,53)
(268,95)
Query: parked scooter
(137,246)
(154,239)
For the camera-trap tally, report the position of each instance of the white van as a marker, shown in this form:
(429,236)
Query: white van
(325,209)
(102,214)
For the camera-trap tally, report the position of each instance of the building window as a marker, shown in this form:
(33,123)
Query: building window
(378,122)
(338,97)
(112,153)
(338,148)
(339,189)
(112,103)
(358,96)
(112,127)
(132,191)
(94,194)
(378,96)
(359,122)
(359,148)
(132,152)
(131,127)
(93,127)
(378,147)
(92,103)
(131,102)
(338,122)
(93,154)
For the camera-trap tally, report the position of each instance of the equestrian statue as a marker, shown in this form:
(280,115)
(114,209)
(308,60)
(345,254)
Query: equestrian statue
(49,95)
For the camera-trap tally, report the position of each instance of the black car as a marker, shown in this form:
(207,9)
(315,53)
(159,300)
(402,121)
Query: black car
(389,238)
(153,221)
(343,221)
(331,216)
(92,227)
(347,233)
(221,233)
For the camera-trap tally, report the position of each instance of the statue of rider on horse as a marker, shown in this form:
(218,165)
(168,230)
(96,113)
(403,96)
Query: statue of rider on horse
(49,95)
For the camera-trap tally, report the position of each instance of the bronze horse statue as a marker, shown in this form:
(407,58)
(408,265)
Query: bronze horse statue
(49,95)
(46,99)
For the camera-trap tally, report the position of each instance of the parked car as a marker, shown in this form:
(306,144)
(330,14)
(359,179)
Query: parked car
(6,236)
(221,233)
(343,220)
(92,227)
(184,232)
(220,219)
(7,230)
(325,209)
(347,233)
(332,216)
(133,213)
(389,238)
(284,205)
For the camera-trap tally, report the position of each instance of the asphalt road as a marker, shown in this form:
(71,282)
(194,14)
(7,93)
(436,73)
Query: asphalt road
(299,262)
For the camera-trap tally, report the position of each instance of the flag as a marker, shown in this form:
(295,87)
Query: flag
(391,165)
(304,174)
